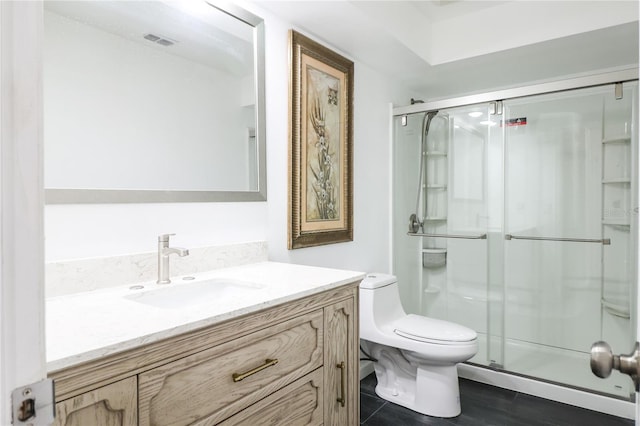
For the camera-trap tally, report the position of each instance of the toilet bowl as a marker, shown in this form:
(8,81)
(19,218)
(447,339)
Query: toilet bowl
(415,356)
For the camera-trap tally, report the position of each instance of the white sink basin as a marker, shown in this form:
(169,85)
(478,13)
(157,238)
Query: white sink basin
(180,295)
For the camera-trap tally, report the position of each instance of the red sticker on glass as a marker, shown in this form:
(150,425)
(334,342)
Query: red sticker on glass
(522,121)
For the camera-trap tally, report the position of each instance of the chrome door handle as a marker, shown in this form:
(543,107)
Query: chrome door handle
(603,361)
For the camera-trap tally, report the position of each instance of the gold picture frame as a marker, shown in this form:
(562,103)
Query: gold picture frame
(320,144)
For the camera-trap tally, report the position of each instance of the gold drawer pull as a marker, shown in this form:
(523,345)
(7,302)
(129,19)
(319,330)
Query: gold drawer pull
(343,371)
(268,363)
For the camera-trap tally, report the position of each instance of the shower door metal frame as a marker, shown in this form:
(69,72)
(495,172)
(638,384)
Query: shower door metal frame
(622,76)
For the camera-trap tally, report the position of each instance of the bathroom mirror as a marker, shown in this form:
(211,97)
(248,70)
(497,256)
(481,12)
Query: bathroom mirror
(153,101)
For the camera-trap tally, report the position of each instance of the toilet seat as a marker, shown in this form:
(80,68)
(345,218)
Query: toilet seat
(429,330)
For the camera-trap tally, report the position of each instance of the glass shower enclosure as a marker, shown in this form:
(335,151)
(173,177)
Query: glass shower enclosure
(524,227)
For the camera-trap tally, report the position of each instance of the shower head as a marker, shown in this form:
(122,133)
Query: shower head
(427,123)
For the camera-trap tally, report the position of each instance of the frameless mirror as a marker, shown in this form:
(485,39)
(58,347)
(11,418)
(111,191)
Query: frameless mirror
(153,101)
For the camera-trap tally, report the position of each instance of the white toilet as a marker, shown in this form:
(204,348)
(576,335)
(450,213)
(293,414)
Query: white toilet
(416,356)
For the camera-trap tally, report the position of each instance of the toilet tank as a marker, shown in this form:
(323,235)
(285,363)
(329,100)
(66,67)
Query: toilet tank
(375,280)
(379,303)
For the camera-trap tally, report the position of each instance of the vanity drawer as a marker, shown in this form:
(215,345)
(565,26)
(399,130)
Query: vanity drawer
(297,404)
(201,387)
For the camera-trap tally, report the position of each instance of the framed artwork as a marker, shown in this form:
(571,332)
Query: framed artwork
(320,144)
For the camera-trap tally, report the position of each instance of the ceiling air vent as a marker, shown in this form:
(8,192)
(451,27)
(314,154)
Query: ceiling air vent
(163,41)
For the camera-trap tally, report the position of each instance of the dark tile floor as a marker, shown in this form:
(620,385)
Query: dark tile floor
(483,405)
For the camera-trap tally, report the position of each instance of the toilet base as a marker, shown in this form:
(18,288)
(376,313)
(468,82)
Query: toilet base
(432,390)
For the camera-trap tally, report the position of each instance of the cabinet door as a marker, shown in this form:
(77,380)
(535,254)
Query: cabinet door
(342,388)
(112,405)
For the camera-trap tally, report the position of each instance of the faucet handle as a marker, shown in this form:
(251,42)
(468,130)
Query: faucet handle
(164,238)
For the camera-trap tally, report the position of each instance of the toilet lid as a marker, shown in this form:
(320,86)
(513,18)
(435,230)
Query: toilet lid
(431,330)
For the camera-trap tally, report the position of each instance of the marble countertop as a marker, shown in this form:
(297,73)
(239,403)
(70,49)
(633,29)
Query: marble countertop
(84,326)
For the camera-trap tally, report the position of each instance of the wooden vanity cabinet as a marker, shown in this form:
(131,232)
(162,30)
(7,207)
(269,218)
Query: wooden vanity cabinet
(291,364)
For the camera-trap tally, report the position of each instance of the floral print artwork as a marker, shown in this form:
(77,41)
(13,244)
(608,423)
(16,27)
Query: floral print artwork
(323,133)
(320,204)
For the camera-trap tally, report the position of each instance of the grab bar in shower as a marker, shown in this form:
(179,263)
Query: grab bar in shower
(464,237)
(604,241)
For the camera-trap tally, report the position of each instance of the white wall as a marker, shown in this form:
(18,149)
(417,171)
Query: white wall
(370,249)
(94,230)
(78,231)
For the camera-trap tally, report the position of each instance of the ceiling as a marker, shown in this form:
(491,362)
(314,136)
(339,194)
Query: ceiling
(445,48)
(198,32)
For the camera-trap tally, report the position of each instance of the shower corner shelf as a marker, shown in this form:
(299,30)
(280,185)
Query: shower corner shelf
(617,180)
(616,309)
(617,139)
(436,154)
(616,222)
(436,186)
(432,290)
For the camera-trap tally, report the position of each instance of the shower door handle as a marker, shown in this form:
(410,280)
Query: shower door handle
(603,361)
(604,241)
(463,237)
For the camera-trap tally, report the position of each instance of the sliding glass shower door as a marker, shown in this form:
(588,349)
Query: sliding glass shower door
(568,274)
(547,182)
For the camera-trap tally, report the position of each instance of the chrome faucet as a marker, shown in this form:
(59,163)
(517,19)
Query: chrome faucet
(163,257)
